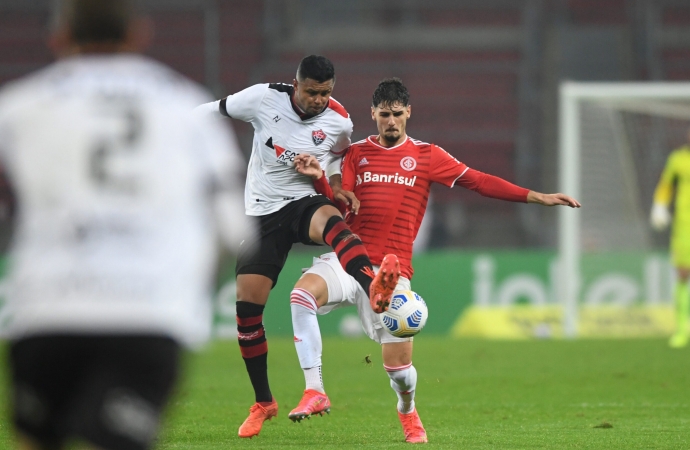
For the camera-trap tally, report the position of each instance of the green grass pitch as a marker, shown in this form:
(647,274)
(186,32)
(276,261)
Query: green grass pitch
(632,394)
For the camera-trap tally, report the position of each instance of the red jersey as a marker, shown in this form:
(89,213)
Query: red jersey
(392,185)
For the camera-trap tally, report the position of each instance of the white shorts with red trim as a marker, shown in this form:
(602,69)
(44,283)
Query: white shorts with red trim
(343,290)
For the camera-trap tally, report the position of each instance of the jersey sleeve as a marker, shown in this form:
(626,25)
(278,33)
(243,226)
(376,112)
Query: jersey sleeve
(664,189)
(333,165)
(343,142)
(347,170)
(492,186)
(445,169)
(245,104)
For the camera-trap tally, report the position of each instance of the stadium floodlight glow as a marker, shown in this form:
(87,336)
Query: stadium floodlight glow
(613,139)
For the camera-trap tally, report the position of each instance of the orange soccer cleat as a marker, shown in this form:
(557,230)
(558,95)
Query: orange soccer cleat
(384,283)
(257,415)
(313,402)
(412,427)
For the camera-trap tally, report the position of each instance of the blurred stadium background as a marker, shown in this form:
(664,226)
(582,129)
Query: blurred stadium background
(484,77)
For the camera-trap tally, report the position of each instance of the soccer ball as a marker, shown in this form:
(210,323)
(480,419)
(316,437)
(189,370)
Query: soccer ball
(406,314)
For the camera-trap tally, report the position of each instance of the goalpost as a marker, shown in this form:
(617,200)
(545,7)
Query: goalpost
(614,140)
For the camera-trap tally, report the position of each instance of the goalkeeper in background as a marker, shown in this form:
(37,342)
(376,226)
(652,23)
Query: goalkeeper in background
(677,173)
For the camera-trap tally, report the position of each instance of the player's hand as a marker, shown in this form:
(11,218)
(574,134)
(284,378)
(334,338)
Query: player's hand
(349,198)
(660,218)
(552,199)
(308,165)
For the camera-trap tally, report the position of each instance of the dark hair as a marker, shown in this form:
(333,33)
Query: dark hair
(389,92)
(317,68)
(96,21)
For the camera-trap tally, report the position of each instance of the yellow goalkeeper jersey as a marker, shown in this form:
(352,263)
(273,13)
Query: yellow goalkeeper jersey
(677,171)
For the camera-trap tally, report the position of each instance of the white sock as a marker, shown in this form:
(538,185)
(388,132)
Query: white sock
(313,378)
(307,337)
(404,383)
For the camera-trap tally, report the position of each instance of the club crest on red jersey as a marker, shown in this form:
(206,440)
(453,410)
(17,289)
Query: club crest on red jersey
(318,136)
(408,163)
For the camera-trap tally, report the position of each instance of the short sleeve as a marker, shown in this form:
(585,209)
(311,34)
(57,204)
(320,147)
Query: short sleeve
(343,142)
(245,104)
(333,167)
(445,169)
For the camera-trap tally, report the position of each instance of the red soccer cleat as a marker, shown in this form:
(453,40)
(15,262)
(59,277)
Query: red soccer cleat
(384,283)
(257,416)
(412,427)
(313,402)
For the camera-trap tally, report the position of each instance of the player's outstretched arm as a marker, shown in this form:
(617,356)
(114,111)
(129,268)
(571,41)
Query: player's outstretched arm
(496,187)
(552,199)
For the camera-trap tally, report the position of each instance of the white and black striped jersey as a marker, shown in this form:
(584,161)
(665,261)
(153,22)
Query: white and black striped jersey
(113,177)
(280,133)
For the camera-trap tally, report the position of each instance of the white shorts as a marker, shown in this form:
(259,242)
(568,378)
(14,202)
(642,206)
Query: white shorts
(343,290)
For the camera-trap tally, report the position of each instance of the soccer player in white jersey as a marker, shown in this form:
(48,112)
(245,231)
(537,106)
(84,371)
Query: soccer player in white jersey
(288,119)
(391,175)
(113,260)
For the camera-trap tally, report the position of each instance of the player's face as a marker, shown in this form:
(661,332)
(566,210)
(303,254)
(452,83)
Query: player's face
(312,96)
(391,121)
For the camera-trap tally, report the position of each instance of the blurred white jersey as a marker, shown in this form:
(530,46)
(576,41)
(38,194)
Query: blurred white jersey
(113,177)
(281,132)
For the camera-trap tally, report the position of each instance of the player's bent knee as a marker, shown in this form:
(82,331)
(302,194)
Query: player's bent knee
(316,286)
(396,354)
(319,221)
(253,288)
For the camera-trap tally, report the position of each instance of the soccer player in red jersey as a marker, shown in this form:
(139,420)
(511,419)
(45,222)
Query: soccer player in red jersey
(390,175)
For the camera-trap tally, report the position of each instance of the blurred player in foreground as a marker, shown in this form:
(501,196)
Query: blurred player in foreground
(114,255)
(391,175)
(677,171)
(289,119)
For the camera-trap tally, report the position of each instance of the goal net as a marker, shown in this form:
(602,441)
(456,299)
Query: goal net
(616,276)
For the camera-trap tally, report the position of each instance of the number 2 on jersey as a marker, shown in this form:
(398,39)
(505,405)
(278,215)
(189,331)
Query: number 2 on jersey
(108,148)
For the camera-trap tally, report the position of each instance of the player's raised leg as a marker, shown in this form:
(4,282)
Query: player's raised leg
(310,292)
(252,294)
(681,295)
(397,360)
(384,283)
(328,226)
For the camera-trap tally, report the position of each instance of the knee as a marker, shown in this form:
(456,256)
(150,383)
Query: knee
(315,286)
(253,289)
(398,354)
